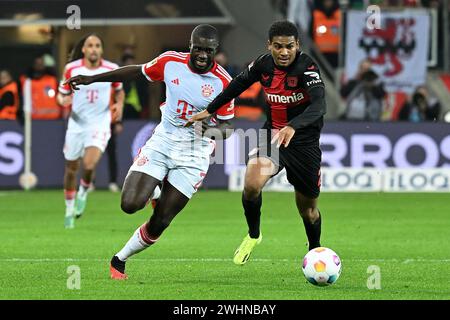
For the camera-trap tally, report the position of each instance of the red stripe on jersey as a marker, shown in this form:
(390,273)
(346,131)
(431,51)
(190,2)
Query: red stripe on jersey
(117,85)
(170,57)
(222,75)
(68,74)
(74,64)
(108,64)
(319,181)
(224,72)
(154,69)
(173,54)
(281,100)
(227,110)
(279,117)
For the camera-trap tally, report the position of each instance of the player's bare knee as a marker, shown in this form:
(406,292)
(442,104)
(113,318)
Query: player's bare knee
(309,214)
(128,207)
(251,191)
(129,204)
(89,165)
(71,167)
(132,202)
(70,172)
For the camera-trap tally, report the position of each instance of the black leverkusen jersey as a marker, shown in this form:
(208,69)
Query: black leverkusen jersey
(287,92)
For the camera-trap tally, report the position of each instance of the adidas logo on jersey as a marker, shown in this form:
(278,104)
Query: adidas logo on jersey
(176,81)
(277,98)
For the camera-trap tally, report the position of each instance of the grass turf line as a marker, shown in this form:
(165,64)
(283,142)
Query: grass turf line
(406,235)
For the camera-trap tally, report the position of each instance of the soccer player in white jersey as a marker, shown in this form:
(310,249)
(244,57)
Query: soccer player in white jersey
(175,155)
(88,129)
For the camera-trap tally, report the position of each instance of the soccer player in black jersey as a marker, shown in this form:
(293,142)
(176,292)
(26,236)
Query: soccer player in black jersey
(295,94)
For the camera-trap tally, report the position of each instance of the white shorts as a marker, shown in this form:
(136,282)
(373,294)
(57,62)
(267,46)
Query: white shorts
(183,169)
(77,142)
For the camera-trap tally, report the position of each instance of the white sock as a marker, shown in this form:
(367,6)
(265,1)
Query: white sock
(138,242)
(83,189)
(156,193)
(69,207)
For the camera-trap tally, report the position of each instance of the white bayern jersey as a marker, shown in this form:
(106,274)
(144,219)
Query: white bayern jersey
(187,92)
(90,104)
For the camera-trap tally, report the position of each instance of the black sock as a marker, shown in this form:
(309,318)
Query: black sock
(252,210)
(118,264)
(313,232)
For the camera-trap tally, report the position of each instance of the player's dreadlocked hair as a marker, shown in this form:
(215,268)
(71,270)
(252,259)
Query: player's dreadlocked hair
(76,52)
(283,28)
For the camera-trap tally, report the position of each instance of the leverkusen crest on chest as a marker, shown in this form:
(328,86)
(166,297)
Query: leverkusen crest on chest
(207,90)
(292,81)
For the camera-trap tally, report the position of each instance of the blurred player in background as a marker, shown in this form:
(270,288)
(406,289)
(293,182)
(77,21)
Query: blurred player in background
(88,130)
(175,155)
(295,93)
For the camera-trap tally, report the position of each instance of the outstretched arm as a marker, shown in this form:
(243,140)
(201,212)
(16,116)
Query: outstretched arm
(118,75)
(222,131)
(242,82)
(234,89)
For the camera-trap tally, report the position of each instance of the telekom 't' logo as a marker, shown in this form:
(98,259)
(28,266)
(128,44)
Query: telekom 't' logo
(92,95)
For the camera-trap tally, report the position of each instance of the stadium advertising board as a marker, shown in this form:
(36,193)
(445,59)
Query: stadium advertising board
(394,48)
(363,180)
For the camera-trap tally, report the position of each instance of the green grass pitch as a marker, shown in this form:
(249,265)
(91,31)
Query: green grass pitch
(405,235)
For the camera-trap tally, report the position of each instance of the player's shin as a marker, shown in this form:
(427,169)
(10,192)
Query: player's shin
(80,204)
(313,230)
(69,196)
(252,211)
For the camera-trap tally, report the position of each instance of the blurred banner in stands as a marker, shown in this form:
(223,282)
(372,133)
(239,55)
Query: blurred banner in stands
(398,50)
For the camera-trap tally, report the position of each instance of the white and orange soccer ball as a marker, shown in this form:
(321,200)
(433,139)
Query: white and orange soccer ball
(322,266)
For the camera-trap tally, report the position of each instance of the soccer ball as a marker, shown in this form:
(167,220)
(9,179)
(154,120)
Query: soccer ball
(321,266)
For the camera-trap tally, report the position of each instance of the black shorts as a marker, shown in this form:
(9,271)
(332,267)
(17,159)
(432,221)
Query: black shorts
(302,163)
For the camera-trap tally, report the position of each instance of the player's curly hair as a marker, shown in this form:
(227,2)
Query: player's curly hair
(76,52)
(283,28)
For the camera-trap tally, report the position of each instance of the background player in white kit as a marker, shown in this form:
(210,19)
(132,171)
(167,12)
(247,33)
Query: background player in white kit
(88,130)
(174,155)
